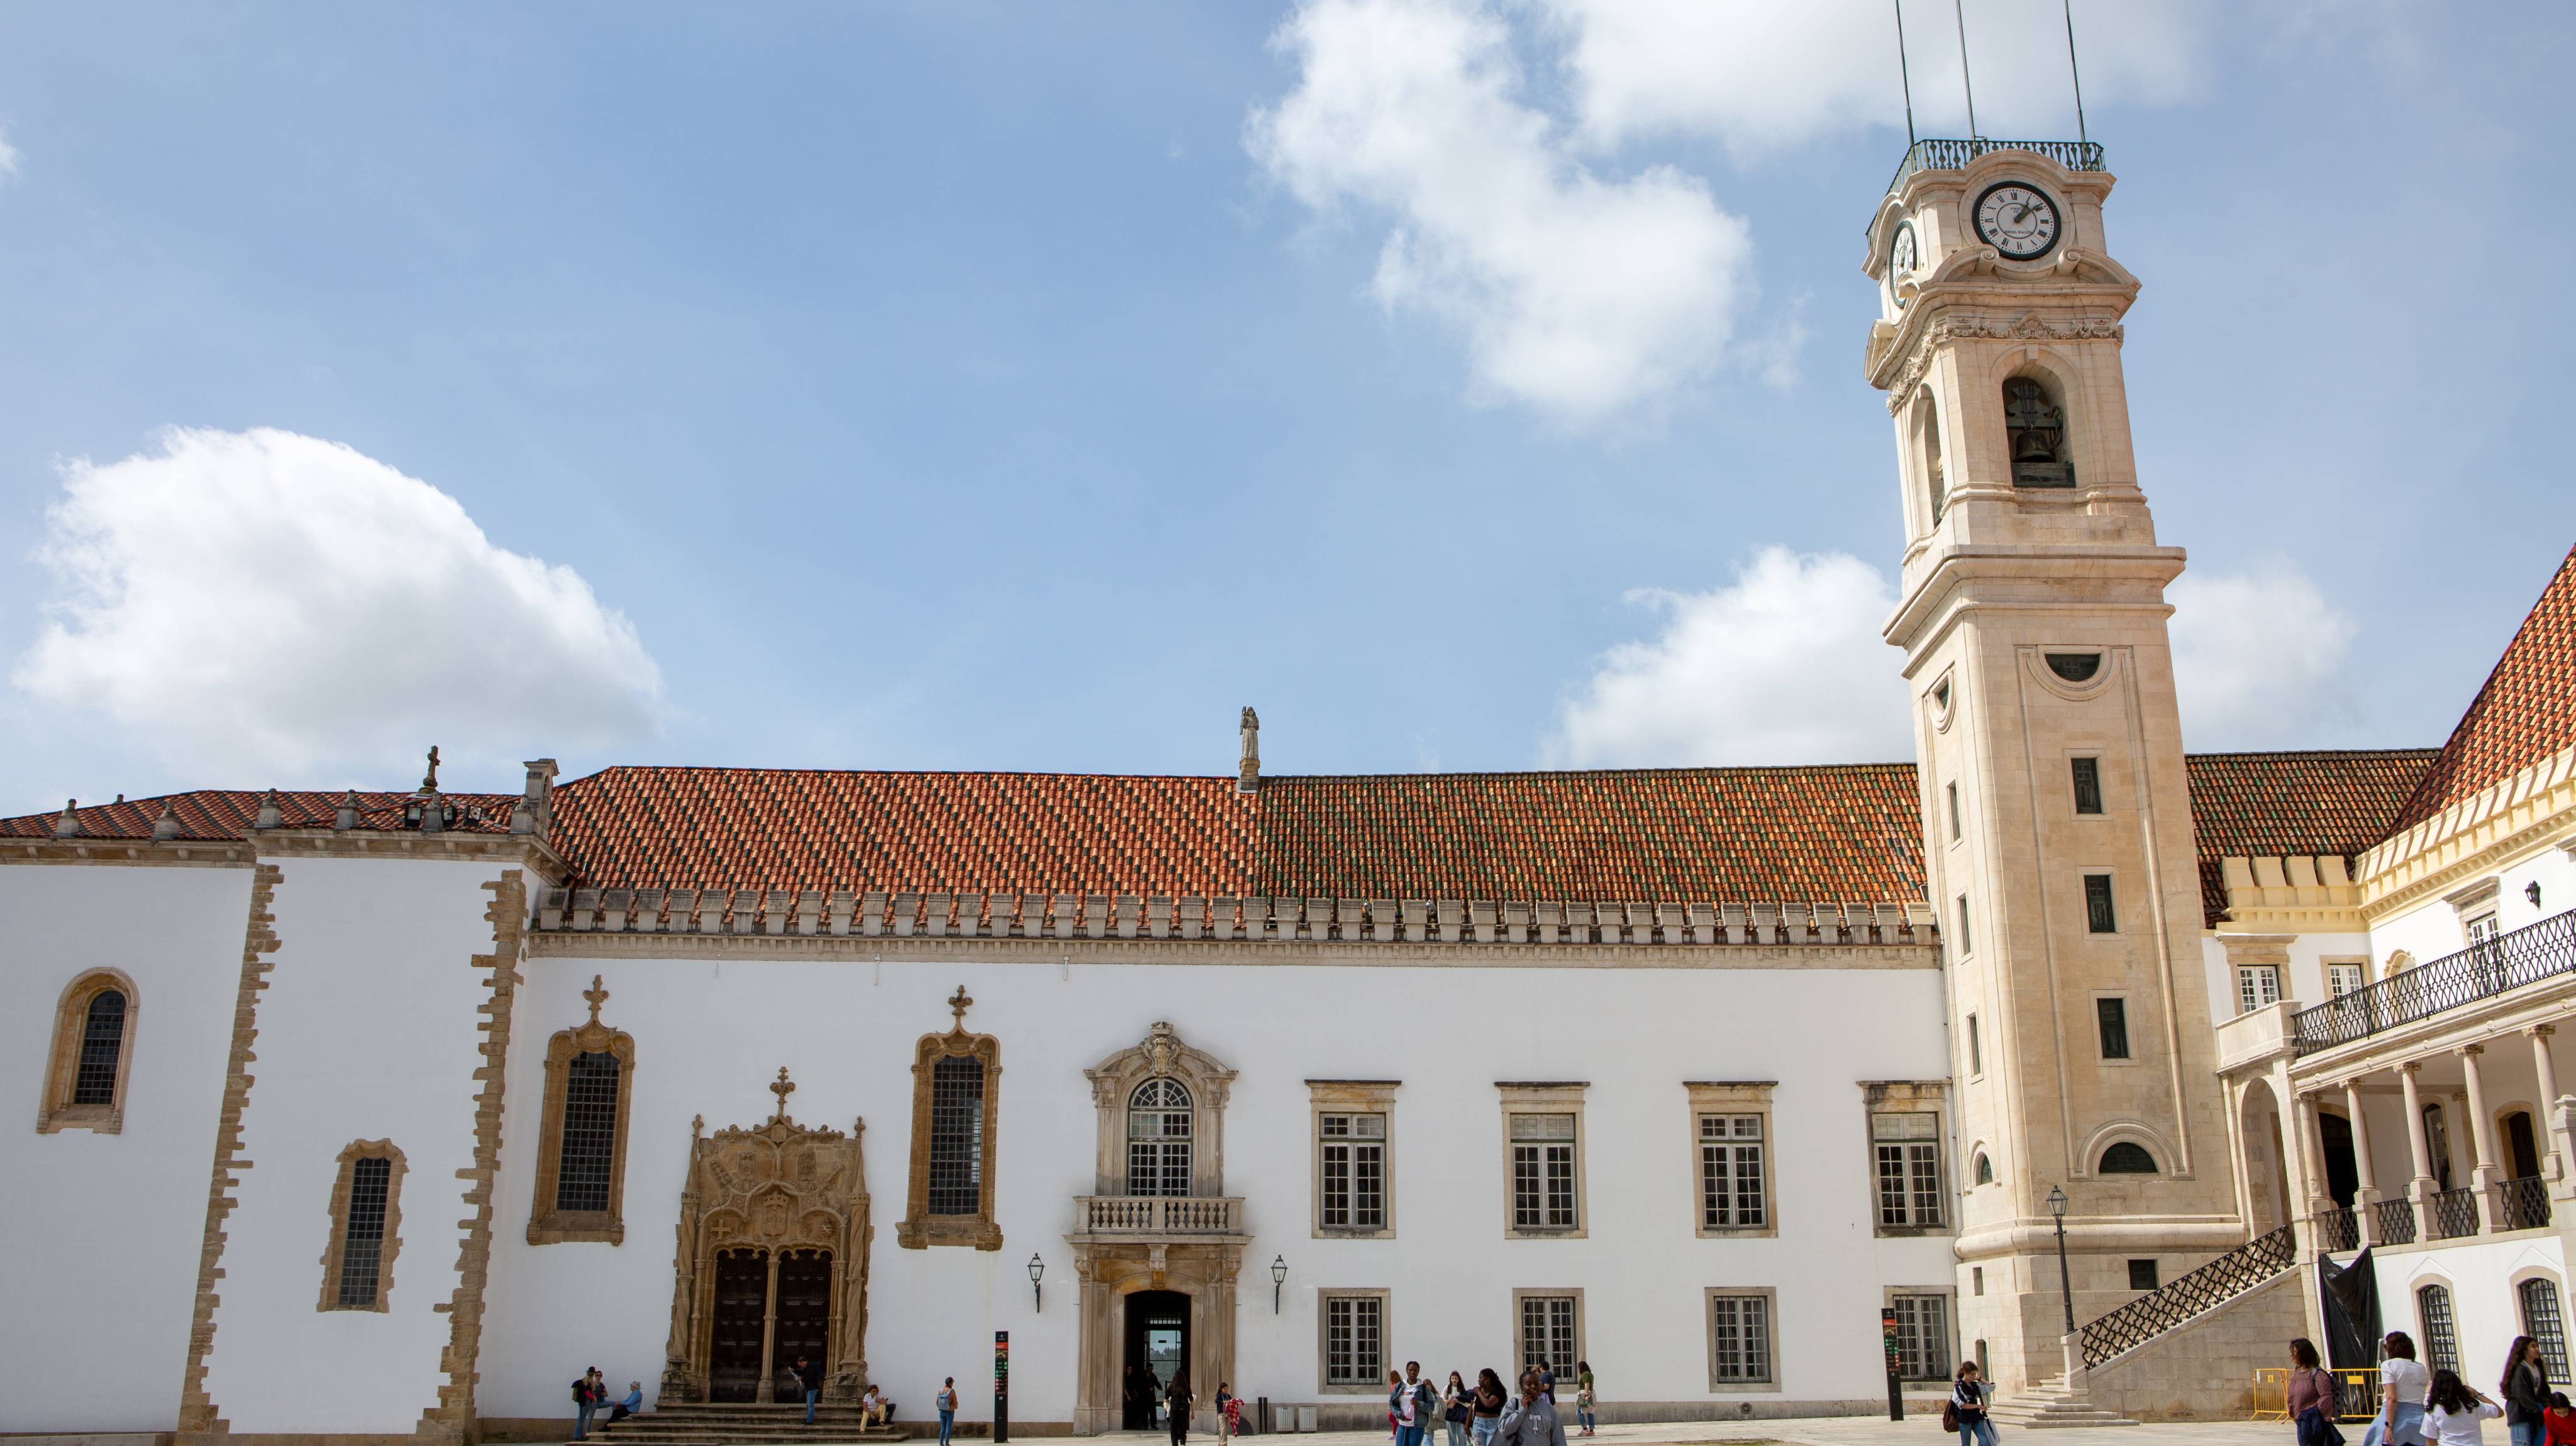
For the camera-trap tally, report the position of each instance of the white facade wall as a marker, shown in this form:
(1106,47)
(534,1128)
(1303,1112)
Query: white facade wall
(368,1030)
(710,1034)
(2304,979)
(104,1231)
(2482,1279)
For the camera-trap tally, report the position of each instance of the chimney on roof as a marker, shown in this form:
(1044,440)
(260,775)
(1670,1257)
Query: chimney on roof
(347,817)
(268,814)
(1248,776)
(535,812)
(68,826)
(166,827)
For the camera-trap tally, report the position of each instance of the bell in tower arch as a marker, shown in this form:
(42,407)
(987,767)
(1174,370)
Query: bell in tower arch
(2035,429)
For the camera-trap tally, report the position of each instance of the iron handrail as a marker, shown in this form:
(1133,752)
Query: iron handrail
(1950,155)
(2455,1214)
(2392,1222)
(2189,1294)
(2489,967)
(2339,1229)
(2523,1202)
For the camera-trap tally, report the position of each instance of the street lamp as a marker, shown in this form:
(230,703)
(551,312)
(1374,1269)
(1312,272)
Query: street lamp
(2066,1282)
(1278,1280)
(1037,1292)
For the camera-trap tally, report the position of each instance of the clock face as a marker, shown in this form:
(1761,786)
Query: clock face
(2017,220)
(1901,259)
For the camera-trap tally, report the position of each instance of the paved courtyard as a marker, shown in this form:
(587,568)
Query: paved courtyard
(1925,1428)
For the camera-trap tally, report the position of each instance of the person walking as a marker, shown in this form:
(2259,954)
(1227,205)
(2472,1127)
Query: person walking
(2454,1414)
(1395,1406)
(2310,1399)
(2525,1388)
(1421,1406)
(1969,1394)
(1457,1404)
(1229,1413)
(1176,1398)
(809,1381)
(2403,1385)
(1490,1398)
(947,1403)
(1532,1420)
(1583,1395)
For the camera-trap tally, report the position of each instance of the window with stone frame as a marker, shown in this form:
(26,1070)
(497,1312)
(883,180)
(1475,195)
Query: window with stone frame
(1543,1177)
(366,1228)
(2101,916)
(1350,1172)
(1739,1339)
(2258,986)
(2545,1322)
(2441,1336)
(1731,1135)
(2088,784)
(581,1134)
(2345,976)
(1354,1340)
(1922,1336)
(956,1115)
(1551,1331)
(1158,1138)
(1906,1135)
(92,1057)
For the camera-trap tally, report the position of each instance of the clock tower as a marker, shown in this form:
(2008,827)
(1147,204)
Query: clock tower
(2058,835)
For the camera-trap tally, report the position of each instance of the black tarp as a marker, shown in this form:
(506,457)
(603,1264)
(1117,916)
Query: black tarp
(2351,1300)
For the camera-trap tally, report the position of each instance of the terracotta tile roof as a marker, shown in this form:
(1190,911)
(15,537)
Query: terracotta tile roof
(226,813)
(2526,711)
(1646,834)
(2314,802)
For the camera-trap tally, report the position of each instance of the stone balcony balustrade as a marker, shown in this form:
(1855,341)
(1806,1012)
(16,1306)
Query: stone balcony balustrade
(1159,1218)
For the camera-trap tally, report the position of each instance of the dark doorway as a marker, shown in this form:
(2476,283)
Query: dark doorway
(804,1313)
(2334,1132)
(742,1305)
(2520,1147)
(1158,1346)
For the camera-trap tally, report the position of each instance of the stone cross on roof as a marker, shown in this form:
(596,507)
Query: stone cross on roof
(782,1087)
(429,780)
(597,997)
(958,1004)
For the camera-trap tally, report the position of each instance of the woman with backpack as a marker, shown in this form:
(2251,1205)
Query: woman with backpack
(2312,1402)
(1966,1411)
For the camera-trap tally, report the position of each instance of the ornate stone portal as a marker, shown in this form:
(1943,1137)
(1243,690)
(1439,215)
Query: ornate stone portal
(773,1260)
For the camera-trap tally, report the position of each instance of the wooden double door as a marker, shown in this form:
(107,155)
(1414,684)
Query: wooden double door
(770,1309)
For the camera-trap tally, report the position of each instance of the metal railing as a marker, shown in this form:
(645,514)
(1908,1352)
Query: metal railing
(1144,1215)
(2522,1204)
(2392,1222)
(2338,1229)
(2356,1393)
(2187,1295)
(2455,1213)
(2489,967)
(1951,155)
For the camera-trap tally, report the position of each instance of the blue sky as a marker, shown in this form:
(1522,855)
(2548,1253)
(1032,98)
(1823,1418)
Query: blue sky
(1031,386)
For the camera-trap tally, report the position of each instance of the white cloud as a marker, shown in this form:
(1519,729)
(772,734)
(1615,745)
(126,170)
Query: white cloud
(261,607)
(1579,296)
(2261,659)
(1783,666)
(8,157)
(1761,75)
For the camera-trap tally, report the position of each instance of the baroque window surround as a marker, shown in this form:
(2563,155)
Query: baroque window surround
(548,1225)
(1738,1097)
(56,1112)
(1162,1056)
(920,1229)
(1353,1097)
(1547,1098)
(336,1252)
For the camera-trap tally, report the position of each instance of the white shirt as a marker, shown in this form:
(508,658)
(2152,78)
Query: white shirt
(2410,1378)
(2461,1428)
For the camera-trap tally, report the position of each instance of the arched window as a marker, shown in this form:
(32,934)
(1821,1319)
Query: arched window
(581,1137)
(92,1055)
(955,1115)
(1158,1138)
(2126,1158)
(2546,1324)
(2441,1339)
(366,1227)
(1936,485)
(1985,1169)
(2035,435)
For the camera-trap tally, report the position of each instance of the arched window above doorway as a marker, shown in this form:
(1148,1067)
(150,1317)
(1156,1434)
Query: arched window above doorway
(2127,1158)
(1162,1119)
(1158,1139)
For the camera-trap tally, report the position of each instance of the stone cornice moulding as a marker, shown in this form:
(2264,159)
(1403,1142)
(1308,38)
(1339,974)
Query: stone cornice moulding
(1249,953)
(191,853)
(1900,357)
(2480,833)
(2285,895)
(1940,599)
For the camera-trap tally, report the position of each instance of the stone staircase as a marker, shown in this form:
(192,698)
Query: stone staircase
(726,1424)
(2051,1405)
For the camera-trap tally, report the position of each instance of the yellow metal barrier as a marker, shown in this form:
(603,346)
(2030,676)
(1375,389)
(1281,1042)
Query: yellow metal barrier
(2271,1393)
(2356,1392)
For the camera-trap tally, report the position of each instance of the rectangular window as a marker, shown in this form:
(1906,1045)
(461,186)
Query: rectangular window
(1908,1147)
(956,1136)
(1730,1172)
(1543,1195)
(2257,986)
(1354,1340)
(1954,811)
(1976,1053)
(2441,1342)
(2098,915)
(362,1242)
(2342,979)
(2483,930)
(2088,785)
(1548,1336)
(589,1151)
(1964,945)
(1977,1280)
(1739,1340)
(1352,1162)
(2111,1017)
(2142,1275)
(1922,1337)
